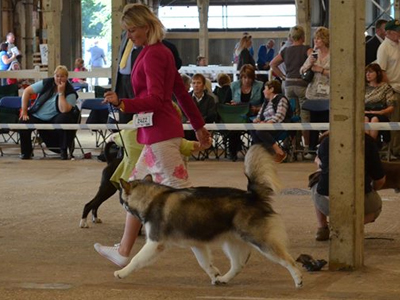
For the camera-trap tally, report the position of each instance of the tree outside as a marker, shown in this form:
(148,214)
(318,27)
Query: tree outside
(96,26)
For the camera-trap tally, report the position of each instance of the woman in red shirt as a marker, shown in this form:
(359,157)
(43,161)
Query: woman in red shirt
(154,79)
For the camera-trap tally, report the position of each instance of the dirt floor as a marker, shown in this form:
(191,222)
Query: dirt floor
(45,255)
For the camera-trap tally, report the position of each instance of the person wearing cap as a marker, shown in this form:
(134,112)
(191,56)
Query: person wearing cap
(371,47)
(388,57)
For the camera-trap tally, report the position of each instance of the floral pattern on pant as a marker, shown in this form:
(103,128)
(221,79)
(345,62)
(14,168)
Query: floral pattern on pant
(164,162)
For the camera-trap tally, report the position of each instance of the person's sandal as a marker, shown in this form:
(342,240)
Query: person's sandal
(280,157)
(322,234)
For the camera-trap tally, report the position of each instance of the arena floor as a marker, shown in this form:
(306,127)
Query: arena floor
(45,255)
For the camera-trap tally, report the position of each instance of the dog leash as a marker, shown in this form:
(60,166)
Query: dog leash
(119,131)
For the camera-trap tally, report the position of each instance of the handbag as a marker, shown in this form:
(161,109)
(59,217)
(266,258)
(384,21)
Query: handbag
(374,106)
(308,75)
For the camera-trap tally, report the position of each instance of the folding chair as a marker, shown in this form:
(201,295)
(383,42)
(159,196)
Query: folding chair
(230,114)
(47,141)
(99,91)
(101,111)
(9,113)
(9,90)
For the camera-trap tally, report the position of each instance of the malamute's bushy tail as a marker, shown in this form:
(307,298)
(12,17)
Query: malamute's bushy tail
(260,169)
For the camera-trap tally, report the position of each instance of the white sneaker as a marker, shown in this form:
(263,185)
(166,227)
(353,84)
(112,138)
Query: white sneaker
(309,156)
(112,254)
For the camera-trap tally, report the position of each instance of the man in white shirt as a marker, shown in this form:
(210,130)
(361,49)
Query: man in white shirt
(388,58)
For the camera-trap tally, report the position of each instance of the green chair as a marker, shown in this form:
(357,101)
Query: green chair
(232,114)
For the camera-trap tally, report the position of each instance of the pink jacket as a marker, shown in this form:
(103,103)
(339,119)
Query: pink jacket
(154,78)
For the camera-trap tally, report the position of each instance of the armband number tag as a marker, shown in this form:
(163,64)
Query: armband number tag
(143,120)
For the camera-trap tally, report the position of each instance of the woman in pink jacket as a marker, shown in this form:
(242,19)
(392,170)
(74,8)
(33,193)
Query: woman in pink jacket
(154,79)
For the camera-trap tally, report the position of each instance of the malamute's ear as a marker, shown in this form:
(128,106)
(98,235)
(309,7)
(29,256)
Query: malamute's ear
(148,178)
(125,186)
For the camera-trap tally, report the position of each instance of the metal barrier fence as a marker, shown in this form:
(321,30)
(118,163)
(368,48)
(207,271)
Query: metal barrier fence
(215,126)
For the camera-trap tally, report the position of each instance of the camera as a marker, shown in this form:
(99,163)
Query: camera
(315,54)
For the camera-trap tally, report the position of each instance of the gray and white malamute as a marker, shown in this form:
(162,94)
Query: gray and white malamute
(197,217)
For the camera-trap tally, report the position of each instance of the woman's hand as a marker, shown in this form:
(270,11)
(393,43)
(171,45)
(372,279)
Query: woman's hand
(61,86)
(24,115)
(317,69)
(203,136)
(312,59)
(111,97)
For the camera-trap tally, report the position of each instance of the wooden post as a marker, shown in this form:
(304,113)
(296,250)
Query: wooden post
(202,6)
(397,9)
(347,50)
(303,16)
(28,42)
(52,17)
(116,11)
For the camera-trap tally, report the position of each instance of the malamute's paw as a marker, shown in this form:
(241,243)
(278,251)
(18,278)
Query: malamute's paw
(299,284)
(83,224)
(119,274)
(96,220)
(218,281)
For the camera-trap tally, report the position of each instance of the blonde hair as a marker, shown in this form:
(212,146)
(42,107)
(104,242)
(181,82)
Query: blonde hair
(323,34)
(139,15)
(297,33)
(186,80)
(244,41)
(208,85)
(62,70)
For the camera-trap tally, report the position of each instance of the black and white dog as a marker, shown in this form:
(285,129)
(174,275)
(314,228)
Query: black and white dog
(106,189)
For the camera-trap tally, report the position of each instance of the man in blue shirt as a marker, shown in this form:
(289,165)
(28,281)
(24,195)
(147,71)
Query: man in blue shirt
(97,58)
(266,53)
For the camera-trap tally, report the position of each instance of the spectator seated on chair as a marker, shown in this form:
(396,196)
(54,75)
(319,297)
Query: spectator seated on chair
(276,109)
(79,83)
(55,104)
(223,88)
(245,90)
(379,98)
(204,102)
(15,66)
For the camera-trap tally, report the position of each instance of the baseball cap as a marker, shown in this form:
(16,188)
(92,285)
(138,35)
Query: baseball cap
(393,25)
